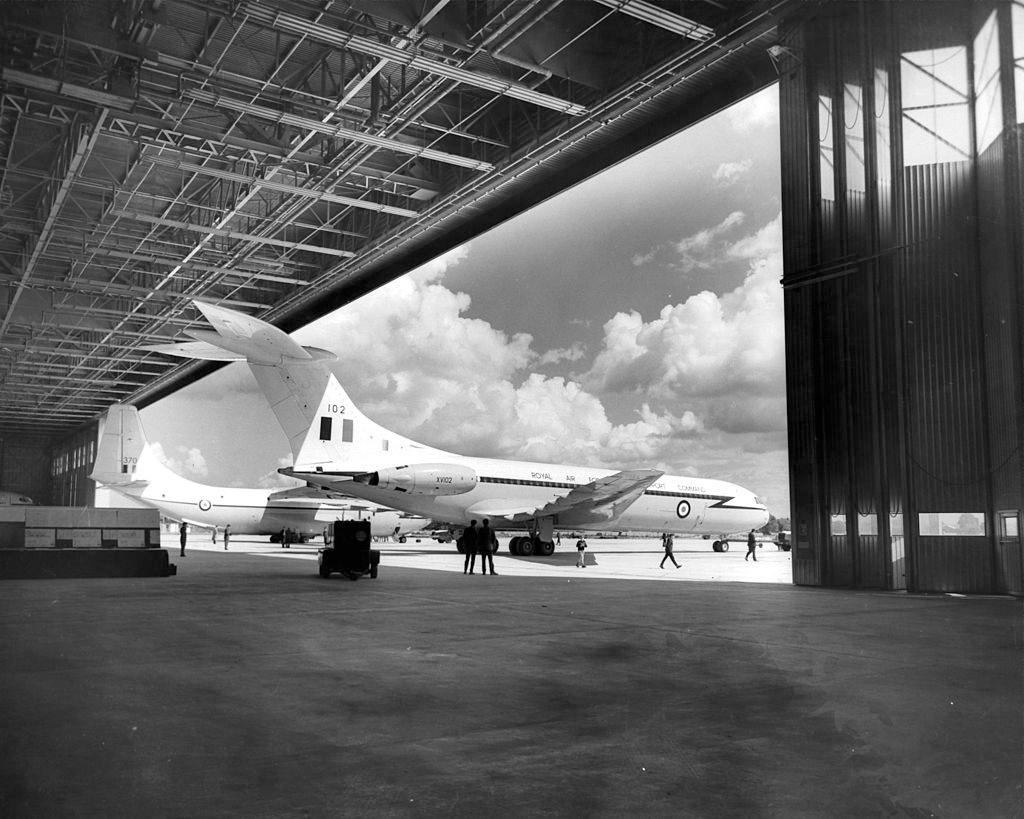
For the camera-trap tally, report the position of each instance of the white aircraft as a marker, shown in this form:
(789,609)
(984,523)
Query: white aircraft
(15,499)
(335,446)
(128,464)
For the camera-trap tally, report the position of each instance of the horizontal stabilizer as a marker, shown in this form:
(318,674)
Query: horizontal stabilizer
(195,349)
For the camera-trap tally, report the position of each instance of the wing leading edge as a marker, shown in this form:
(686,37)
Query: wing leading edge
(602,500)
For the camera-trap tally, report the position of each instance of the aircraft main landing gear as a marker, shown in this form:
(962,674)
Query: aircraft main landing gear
(531,545)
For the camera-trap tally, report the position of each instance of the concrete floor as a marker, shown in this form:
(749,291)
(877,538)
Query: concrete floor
(249,686)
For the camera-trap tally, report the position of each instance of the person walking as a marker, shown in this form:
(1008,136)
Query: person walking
(227,535)
(666,544)
(469,537)
(751,546)
(581,551)
(183,536)
(487,545)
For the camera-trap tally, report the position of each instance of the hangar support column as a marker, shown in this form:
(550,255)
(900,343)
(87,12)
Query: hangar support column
(903,148)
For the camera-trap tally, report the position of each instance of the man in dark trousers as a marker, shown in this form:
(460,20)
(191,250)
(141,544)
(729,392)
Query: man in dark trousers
(469,535)
(227,535)
(183,536)
(487,545)
(751,546)
(666,544)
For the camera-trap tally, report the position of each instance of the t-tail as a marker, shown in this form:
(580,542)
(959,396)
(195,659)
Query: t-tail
(325,429)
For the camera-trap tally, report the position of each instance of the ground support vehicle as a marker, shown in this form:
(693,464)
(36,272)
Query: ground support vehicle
(348,550)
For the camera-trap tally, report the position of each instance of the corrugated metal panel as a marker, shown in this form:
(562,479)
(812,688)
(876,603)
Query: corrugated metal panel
(944,365)
(800,314)
(869,562)
(952,564)
(1001,322)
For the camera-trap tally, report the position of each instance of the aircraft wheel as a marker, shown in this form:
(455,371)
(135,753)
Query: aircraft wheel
(513,546)
(526,546)
(402,539)
(545,548)
(716,546)
(725,545)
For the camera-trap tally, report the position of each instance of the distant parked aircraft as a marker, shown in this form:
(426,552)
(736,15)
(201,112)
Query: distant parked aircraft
(126,463)
(335,446)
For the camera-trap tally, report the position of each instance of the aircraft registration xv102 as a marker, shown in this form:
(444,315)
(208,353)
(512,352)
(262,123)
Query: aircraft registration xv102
(335,445)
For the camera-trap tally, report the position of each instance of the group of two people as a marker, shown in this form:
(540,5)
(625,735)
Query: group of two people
(481,542)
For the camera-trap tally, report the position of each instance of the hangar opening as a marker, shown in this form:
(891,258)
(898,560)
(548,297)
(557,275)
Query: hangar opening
(902,189)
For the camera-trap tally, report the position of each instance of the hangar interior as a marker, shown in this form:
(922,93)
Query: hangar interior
(286,157)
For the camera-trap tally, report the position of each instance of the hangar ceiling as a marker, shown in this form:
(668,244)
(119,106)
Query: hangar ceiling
(286,157)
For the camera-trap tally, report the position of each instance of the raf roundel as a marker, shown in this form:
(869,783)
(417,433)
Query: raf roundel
(683,509)
(204,504)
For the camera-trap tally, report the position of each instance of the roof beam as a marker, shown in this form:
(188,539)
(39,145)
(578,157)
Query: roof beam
(339,131)
(232,234)
(282,21)
(657,16)
(280,187)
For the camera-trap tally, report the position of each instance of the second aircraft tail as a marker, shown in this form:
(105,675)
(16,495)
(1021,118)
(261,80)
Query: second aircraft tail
(121,447)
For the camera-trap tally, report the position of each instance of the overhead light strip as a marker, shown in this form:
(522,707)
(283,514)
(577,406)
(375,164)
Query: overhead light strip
(657,16)
(499,85)
(280,187)
(233,234)
(339,131)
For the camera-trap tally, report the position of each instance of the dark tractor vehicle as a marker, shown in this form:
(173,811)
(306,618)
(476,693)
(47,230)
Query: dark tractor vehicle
(348,550)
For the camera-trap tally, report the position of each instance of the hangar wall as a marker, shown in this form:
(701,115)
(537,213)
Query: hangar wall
(903,149)
(25,466)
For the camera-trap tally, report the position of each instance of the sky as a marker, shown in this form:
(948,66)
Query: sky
(635,320)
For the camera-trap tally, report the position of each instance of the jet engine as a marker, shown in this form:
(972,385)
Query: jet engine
(423,479)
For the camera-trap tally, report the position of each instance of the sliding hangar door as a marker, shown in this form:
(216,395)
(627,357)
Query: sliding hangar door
(902,187)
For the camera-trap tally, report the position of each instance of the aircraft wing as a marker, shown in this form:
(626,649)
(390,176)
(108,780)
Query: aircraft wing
(309,493)
(603,499)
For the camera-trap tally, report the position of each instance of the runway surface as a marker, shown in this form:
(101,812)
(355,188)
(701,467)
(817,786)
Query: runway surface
(249,686)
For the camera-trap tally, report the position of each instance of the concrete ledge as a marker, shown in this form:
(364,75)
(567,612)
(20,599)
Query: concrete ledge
(22,564)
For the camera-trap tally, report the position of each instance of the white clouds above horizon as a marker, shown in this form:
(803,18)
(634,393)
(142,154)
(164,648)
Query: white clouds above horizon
(708,367)
(729,172)
(669,344)
(187,461)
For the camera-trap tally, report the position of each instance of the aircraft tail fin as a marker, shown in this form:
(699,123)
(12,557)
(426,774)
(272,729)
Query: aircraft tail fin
(120,448)
(322,424)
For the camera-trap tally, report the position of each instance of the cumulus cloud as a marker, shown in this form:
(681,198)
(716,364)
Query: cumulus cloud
(698,250)
(723,356)
(729,172)
(461,384)
(573,353)
(275,480)
(187,461)
(758,111)
(640,259)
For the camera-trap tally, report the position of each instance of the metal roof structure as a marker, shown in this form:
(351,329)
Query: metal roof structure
(287,157)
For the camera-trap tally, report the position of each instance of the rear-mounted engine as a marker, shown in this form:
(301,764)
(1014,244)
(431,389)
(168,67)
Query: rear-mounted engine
(423,479)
